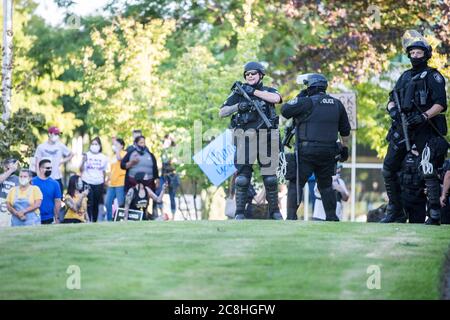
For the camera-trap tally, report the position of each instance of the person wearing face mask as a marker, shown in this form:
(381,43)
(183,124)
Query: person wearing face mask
(140,159)
(51,192)
(23,202)
(93,172)
(423,100)
(8,180)
(116,178)
(56,151)
(76,201)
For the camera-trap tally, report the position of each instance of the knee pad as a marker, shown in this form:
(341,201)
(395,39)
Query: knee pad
(242,181)
(270,181)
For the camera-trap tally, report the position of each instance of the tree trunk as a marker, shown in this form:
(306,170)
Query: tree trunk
(7,64)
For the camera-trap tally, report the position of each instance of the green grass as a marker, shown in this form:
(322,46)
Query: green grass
(223,260)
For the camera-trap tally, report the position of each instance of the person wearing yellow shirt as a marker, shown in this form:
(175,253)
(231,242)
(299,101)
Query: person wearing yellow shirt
(76,201)
(116,188)
(24,201)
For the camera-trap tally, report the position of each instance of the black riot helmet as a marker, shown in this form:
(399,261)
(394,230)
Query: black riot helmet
(420,44)
(316,80)
(255,66)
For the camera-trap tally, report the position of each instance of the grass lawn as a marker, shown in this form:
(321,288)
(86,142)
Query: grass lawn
(223,260)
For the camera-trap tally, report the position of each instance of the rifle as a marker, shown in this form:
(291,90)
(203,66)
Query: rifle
(403,121)
(254,104)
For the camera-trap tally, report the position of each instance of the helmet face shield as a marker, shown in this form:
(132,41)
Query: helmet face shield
(412,39)
(316,80)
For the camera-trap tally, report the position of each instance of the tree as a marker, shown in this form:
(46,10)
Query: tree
(19,135)
(34,90)
(198,86)
(121,80)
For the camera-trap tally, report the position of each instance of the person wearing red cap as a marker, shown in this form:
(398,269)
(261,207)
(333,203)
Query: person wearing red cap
(57,152)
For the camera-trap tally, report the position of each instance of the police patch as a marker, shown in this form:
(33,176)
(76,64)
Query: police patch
(438,77)
(293,101)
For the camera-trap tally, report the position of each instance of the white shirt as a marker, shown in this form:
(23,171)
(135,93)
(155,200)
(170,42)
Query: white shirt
(94,168)
(55,153)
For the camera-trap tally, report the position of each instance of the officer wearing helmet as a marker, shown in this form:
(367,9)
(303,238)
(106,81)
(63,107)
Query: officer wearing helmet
(319,118)
(423,100)
(252,138)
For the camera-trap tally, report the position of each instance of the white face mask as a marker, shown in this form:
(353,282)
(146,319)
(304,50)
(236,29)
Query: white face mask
(54,138)
(114,148)
(24,181)
(95,148)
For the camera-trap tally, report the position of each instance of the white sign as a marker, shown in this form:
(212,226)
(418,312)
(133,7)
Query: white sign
(216,160)
(348,99)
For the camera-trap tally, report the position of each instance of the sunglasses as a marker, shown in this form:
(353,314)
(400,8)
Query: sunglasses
(250,73)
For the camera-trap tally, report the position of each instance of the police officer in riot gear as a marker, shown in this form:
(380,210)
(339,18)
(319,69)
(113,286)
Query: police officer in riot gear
(412,184)
(319,118)
(422,98)
(252,138)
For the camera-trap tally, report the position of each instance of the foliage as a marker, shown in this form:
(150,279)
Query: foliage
(34,88)
(121,81)
(20,134)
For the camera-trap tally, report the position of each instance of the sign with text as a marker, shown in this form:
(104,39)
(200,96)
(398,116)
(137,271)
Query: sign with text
(133,215)
(348,99)
(216,160)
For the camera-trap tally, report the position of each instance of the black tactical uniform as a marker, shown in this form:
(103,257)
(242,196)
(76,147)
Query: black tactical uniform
(319,118)
(254,142)
(412,184)
(418,90)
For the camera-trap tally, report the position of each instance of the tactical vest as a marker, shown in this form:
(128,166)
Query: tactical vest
(323,123)
(414,96)
(251,119)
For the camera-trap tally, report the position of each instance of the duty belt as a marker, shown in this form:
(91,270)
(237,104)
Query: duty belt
(317,144)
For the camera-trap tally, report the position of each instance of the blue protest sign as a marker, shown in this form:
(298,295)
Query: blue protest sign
(216,160)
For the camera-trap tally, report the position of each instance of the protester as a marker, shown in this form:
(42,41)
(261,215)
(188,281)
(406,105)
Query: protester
(8,180)
(140,159)
(54,150)
(170,177)
(76,201)
(51,192)
(138,197)
(93,171)
(342,194)
(23,202)
(116,179)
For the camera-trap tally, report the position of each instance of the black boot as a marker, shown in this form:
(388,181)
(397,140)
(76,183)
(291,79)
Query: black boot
(242,184)
(433,193)
(394,215)
(435,218)
(271,185)
(394,210)
(329,203)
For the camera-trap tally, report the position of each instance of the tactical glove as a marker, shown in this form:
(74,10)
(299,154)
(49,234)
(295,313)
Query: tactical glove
(416,120)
